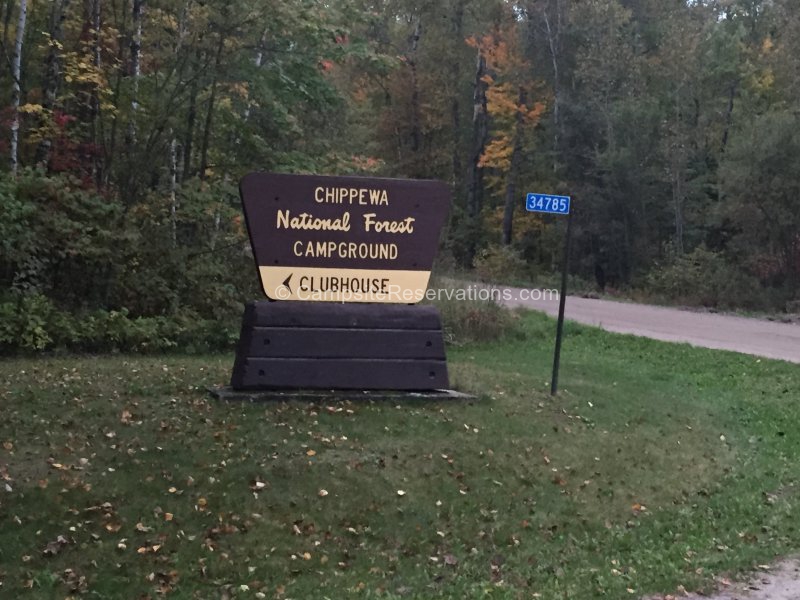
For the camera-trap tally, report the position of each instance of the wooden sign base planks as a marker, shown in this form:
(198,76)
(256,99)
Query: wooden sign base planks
(311,345)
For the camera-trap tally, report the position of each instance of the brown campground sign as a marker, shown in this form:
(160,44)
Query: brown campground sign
(343,239)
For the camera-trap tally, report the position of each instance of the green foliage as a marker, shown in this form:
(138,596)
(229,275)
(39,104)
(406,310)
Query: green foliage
(761,179)
(502,264)
(31,323)
(197,260)
(80,272)
(57,236)
(706,278)
(474,320)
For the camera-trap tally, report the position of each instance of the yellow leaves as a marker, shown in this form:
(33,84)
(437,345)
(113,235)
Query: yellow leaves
(32,109)
(502,101)
(763,82)
(534,114)
(508,84)
(497,153)
(499,49)
(225,104)
(240,89)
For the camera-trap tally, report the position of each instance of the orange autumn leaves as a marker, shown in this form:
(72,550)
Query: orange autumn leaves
(510,94)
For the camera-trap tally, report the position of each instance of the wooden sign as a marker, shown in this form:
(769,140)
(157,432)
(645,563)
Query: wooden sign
(344,239)
(304,345)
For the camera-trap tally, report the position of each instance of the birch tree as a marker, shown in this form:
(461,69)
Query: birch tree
(16,90)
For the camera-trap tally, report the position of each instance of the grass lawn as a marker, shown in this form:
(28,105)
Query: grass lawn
(659,465)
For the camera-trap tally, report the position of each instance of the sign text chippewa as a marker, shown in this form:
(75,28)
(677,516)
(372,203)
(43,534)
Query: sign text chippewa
(343,239)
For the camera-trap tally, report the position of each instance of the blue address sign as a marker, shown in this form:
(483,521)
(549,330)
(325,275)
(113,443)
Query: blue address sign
(547,203)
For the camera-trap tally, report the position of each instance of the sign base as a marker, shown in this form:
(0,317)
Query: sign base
(228,394)
(324,346)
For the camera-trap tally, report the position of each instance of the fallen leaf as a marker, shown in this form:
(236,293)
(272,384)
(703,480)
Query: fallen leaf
(55,546)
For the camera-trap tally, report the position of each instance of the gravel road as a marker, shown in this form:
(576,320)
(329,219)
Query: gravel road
(758,337)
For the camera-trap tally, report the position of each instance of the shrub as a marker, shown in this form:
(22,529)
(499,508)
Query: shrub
(31,323)
(502,264)
(705,278)
(472,320)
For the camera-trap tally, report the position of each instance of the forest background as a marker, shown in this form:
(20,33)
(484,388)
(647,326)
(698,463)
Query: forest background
(126,124)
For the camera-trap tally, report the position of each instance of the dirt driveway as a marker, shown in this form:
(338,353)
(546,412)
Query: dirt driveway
(779,582)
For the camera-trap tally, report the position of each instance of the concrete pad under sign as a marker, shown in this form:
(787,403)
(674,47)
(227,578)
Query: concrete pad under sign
(228,394)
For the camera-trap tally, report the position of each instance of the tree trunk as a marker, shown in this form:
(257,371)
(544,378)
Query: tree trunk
(7,21)
(210,113)
(111,148)
(52,79)
(677,167)
(173,190)
(258,61)
(677,201)
(455,105)
(416,134)
(136,67)
(729,114)
(513,173)
(96,6)
(480,132)
(16,90)
(554,46)
(480,135)
(191,118)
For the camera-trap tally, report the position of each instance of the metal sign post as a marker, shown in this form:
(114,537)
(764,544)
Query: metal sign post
(559,205)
